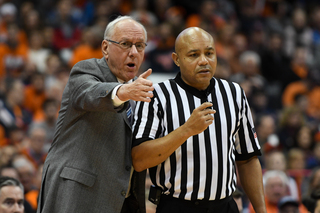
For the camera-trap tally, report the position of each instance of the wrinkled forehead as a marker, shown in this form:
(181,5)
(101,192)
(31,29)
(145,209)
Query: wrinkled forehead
(128,29)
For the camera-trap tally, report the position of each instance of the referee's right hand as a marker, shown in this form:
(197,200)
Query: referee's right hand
(200,118)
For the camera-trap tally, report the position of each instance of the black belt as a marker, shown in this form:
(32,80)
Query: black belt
(194,203)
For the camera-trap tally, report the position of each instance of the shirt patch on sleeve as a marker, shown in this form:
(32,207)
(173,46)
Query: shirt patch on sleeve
(254,132)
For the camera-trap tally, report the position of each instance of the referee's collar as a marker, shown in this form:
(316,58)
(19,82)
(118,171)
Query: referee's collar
(192,90)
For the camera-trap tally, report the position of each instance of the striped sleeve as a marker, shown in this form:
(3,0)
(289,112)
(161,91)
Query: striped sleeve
(248,143)
(147,121)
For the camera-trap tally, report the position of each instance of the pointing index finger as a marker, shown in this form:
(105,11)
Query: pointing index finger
(146,74)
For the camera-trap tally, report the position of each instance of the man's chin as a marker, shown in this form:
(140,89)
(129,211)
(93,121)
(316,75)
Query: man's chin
(130,75)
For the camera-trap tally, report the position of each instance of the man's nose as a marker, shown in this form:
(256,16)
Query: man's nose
(18,208)
(133,50)
(203,60)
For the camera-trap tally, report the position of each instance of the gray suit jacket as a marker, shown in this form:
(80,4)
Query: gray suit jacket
(88,166)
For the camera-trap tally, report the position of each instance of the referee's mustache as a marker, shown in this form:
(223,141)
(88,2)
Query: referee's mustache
(204,68)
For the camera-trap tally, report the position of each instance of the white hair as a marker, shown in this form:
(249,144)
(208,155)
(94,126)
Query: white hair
(110,27)
(249,55)
(275,173)
(23,162)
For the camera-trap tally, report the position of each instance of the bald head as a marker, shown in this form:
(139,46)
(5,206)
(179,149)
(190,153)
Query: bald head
(195,55)
(190,35)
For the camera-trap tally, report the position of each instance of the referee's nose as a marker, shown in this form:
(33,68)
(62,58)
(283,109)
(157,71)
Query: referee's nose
(203,60)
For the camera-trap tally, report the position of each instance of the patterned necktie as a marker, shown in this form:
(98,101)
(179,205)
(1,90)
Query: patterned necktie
(129,111)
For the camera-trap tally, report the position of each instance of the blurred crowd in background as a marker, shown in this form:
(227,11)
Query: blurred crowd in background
(270,47)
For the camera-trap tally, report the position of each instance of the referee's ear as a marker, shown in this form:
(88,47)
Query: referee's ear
(175,59)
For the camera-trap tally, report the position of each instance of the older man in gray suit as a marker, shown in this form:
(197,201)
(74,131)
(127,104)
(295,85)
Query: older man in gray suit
(89,166)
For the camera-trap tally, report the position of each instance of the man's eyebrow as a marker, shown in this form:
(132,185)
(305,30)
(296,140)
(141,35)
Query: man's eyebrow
(192,51)
(197,50)
(12,199)
(128,39)
(210,48)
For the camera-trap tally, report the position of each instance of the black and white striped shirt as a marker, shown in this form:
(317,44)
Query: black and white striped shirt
(204,166)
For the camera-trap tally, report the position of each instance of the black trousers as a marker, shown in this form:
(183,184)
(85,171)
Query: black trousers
(130,205)
(169,204)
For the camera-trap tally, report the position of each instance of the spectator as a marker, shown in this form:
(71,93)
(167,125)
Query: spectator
(35,93)
(275,67)
(11,195)
(288,204)
(265,127)
(225,44)
(38,54)
(304,141)
(32,21)
(13,53)
(12,112)
(312,202)
(314,160)
(277,21)
(6,154)
(160,58)
(9,171)
(275,185)
(8,13)
(297,165)
(311,182)
(297,33)
(35,152)
(67,33)
(90,47)
(26,171)
(207,18)
(47,120)
(239,44)
(296,159)
(291,119)
(140,12)
(249,73)
(310,86)
(276,160)
(32,195)
(16,138)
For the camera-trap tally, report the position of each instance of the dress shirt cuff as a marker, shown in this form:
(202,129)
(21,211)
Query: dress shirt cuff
(116,101)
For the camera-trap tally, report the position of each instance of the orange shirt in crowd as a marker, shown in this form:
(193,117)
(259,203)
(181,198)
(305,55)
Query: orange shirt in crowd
(22,36)
(83,52)
(3,139)
(313,96)
(194,20)
(32,198)
(33,100)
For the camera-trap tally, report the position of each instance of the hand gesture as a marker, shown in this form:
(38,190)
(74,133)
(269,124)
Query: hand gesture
(139,90)
(200,119)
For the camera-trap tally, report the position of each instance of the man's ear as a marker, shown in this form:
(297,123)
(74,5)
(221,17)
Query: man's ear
(175,59)
(104,48)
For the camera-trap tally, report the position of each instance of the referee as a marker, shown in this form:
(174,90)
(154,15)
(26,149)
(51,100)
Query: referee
(194,133)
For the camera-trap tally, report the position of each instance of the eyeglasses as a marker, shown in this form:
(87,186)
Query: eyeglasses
(127,44)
